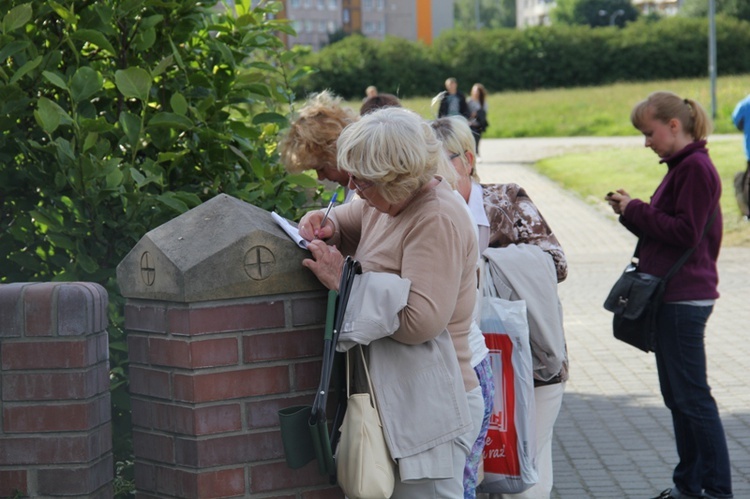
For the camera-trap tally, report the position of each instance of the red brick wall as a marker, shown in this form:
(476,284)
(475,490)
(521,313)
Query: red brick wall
(55,429)
(207,380)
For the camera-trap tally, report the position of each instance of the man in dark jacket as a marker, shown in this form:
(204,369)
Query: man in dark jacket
(452,101)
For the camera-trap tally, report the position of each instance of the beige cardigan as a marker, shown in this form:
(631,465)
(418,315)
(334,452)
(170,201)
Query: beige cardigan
(432,244)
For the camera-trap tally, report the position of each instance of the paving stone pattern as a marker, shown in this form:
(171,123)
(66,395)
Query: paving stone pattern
(613,438)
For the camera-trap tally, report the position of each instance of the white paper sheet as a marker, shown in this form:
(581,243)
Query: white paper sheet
(290,229)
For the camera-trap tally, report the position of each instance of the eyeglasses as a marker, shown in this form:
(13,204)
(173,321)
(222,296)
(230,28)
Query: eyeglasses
(362,185)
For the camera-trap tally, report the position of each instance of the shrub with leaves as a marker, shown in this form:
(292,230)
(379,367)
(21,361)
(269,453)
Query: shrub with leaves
(394,65)
(117,116)
(554,56)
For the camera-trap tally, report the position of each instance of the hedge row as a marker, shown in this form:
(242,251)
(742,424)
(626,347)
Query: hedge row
(540,57)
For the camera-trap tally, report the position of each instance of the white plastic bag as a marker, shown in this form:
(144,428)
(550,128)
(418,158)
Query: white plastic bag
(509,454)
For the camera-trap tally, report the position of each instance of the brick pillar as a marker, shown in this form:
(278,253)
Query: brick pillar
(224,329)
(55,423)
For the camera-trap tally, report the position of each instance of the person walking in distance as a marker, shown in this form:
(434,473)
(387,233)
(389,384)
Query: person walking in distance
(478,107)
(452,102)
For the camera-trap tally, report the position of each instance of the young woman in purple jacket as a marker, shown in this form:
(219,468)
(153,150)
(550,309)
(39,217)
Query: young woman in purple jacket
(676,130)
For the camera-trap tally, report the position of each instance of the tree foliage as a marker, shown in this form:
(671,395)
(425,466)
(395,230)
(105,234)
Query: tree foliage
(595,12)
(733,8)
(394,65)
(118,115)
(492,14)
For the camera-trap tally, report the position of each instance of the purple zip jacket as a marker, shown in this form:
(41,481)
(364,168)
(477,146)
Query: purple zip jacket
(674,221)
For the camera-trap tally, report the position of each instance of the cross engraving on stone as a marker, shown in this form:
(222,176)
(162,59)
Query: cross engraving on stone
(148,270)
(259,263)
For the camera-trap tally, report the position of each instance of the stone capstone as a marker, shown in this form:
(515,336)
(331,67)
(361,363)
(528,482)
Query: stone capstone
(225,248)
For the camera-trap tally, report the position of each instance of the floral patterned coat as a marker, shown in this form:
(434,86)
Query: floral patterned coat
(515,219)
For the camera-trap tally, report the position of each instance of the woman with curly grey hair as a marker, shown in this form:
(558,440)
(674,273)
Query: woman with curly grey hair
(410,226)
(310,141)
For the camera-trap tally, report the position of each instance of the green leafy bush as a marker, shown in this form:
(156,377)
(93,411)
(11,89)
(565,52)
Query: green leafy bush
(595,12)
(118,116)
(395,65)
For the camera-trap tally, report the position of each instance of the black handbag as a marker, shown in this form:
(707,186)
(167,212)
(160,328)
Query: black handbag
(636,297)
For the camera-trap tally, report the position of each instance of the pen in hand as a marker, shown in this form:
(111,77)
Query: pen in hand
(328,210)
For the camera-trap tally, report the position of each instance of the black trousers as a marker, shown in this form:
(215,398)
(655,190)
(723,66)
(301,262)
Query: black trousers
(742,190)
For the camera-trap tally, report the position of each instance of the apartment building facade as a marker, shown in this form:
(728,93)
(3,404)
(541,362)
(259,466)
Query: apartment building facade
(315,20)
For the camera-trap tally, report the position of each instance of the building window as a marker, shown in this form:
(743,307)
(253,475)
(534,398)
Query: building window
(367,5)
(374,27)
(331,27)
(381,4)
(308,26)
(333,4)
(308,4)
(321,26)
(321,4)
(345,16)
(295,4)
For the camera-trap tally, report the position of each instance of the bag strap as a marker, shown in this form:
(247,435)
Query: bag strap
(487,285)
(684,258)
(367,375)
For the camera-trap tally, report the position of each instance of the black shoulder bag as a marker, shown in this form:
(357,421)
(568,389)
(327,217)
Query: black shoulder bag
(636,296)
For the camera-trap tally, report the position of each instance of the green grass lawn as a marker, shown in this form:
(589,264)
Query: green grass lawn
(599,111)
(638,171)
(605,111)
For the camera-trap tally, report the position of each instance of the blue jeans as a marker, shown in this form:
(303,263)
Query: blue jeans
(699,434)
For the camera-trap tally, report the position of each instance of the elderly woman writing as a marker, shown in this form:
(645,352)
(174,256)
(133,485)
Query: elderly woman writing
(410,229)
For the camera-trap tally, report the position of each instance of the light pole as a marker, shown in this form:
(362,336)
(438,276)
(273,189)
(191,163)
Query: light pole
(613,16)
(712,53)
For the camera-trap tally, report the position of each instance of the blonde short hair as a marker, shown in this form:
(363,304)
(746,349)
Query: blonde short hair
(455,134)
(310,142)
(395,149)
(664,106)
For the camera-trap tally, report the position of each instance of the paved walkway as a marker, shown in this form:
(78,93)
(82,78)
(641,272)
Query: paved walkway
(613,438)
